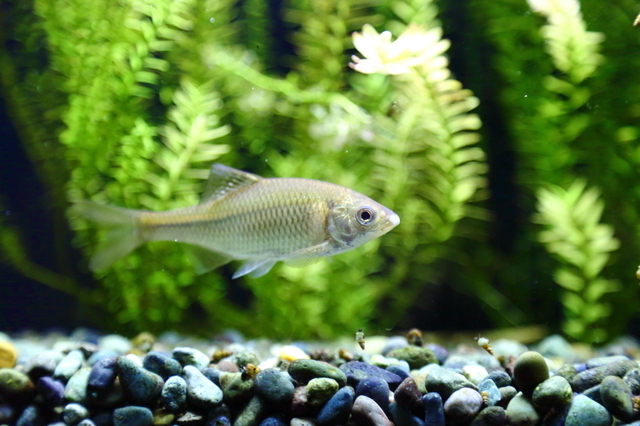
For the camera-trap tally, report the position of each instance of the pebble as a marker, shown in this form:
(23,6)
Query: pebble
(507,393)
(303,370)
(237,390)
(357,370)
(416,356)
(274,386)
(291,353)
(251,413)
(589,378)
(366,412)
(521,412)
(132,416)
(616,398)
(141,387)
(491,392)
(174,394)
(463,405)
(8,354)
(552,393)
(434,409)
(15,386)
(446,382)
(161,364)
(599,362)
(115,343)
(529,371)
(500,378)
(190,356)
(491,416)
(409,396)
(632,379)
(586,412)
(555,346)
(474,373)
(274,421)
(103,373)
(336,411)
(74,413)
(398,371)
(51,391)
(68,366)
(76,389)
(320,390)
(375,388)
(201,392)
(42,364)
(402,416)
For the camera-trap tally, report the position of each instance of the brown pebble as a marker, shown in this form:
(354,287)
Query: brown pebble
(228,366)
(8,354)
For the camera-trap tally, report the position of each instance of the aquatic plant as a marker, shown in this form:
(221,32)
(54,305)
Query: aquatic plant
(129,105)
(575,235)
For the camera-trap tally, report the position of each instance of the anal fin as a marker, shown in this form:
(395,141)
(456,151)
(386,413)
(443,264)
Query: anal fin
(205,260)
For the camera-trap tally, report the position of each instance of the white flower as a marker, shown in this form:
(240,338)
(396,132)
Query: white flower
(386,57)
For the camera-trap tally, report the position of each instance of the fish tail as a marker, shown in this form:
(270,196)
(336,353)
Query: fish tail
(121,226)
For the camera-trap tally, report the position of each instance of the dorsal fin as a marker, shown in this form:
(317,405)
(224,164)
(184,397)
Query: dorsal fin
(223,180)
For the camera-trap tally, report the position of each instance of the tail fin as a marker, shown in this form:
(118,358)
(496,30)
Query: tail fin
(122,232)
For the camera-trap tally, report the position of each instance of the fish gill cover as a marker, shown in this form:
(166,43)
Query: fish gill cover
(130,106)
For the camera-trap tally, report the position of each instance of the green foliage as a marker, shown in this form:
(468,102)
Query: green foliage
(576,237)
(135,101)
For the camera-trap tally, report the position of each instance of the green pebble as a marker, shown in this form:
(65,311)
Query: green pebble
(529,371)
(16,386)
(251,413)
(490,416)
(616,397)
(303,370)
(594,376)
(320,390)
(568,371)
(552,393)
(416,356)
(585,411)
(236,390)
(521,412)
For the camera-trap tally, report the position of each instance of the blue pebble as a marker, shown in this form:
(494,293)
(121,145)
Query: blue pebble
(402,416)
(274,386)
(500,378)
(174,394)
(142,387)
(34,415)
(161,364)
(103,374)
(580,367)
(375,388)
(100,355)
(132,416)
(357,370)
(74,413)
(51,391)
(397,370)
(434,409)
(212,374)
(274,421)
(489,386)
(440,352)
(337,410)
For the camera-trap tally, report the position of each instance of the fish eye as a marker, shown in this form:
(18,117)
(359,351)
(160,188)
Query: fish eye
(365,216)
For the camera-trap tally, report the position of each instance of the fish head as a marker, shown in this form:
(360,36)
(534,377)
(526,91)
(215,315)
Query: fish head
(358,219)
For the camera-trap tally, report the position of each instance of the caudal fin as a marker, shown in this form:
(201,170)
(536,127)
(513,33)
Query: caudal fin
(122,235)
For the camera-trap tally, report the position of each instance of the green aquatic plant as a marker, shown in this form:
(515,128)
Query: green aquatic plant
(576,237)
(129,105)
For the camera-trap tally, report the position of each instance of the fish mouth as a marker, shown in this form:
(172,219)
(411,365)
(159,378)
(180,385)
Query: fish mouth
(394,219)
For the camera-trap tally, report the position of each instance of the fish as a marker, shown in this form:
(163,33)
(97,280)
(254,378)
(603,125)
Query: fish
(242,216)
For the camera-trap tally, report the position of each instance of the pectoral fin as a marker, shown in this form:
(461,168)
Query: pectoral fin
(255,268)
(309,255)
(205,260)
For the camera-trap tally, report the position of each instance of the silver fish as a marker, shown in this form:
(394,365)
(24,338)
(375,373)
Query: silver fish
(242,216)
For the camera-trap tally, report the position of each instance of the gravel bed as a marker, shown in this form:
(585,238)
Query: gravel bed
(85,379)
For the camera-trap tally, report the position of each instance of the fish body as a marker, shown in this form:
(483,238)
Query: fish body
(245,217)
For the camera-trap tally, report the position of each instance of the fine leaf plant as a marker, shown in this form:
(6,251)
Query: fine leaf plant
(575,236)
